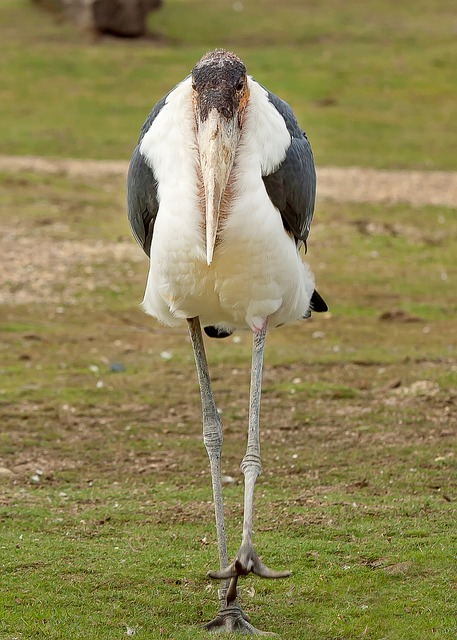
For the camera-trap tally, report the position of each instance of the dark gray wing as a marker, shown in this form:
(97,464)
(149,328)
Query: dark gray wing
(292,187)
(142,203)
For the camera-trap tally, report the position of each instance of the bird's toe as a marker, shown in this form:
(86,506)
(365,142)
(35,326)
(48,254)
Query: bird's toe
(247,561)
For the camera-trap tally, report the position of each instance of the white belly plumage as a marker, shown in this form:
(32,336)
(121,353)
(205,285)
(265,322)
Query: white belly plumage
(256,271)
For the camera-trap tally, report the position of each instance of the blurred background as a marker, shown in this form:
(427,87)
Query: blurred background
(373,83)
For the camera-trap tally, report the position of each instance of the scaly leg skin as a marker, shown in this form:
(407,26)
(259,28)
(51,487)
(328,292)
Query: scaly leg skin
(212,434)
(246,560)
(231,617)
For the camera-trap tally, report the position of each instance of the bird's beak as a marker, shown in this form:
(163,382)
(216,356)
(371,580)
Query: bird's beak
(218,139)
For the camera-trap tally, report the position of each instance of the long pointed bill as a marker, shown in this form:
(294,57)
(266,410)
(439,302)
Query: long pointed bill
(217,140)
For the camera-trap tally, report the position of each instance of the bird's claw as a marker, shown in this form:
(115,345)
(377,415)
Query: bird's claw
(232,619)
(246,561)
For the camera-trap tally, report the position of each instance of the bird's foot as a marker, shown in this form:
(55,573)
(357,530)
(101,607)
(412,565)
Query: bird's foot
(232,619)
(246,561)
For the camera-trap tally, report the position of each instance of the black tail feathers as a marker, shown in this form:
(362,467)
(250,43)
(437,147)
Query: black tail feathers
(217,332)
(317,303)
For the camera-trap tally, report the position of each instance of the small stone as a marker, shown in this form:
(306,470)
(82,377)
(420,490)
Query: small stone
(117,367)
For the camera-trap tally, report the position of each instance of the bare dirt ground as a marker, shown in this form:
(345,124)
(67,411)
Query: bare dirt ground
(46,260)
(353,184)
(23,253)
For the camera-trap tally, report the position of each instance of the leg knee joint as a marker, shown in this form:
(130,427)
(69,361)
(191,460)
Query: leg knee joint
(213,442)
(251,464)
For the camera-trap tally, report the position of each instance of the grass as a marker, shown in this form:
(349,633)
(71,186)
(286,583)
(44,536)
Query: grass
(373,85)
(105,507)
(350,567)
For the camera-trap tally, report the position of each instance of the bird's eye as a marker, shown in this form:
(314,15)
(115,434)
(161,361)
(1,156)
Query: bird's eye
(240,85)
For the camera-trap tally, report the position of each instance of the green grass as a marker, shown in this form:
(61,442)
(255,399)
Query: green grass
(373,84)
(106,519)
(136,573)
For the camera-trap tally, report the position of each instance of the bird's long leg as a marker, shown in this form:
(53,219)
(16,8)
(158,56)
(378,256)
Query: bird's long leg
(212,434)
(246,559)
(230,618)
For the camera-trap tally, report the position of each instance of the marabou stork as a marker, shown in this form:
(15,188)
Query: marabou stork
(220,192)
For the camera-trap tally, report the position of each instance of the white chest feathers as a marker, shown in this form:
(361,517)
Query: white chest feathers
(256,272)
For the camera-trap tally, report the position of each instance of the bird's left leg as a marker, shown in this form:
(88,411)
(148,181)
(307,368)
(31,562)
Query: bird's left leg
(246,559)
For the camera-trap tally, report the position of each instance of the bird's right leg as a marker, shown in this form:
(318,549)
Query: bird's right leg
(230,618)
(212,438)
(212,433)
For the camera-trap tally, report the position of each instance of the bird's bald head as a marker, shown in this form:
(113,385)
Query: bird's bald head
(219,82)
